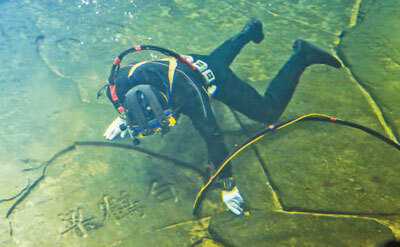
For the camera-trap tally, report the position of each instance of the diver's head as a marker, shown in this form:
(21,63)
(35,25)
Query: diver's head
(147,111)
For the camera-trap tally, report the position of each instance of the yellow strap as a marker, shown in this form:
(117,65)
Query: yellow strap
(205,90)
(171,71)
(171,68)
(135,66)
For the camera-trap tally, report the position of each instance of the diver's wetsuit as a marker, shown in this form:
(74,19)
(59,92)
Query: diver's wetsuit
(188,95)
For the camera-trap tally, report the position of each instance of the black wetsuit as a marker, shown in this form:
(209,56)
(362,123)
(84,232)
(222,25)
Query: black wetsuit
(189,97)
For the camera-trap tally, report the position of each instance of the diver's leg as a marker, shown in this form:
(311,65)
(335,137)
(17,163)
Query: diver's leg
(226,52)
(245,99)
(282,87)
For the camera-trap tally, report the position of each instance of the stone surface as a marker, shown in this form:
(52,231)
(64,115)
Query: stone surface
(333,176)
(280,229)
(86,193)
(184,234)
(372,50)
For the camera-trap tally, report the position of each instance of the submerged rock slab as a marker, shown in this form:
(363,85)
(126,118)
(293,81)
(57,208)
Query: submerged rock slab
(321,167)
(371,49)
(190,233)
(281,229)
(92,191)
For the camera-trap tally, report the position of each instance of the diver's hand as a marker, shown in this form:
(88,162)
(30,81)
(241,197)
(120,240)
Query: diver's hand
(114,130)
(233,200)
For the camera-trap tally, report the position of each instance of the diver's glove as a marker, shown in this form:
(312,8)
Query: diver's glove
(114,129)
(232,197)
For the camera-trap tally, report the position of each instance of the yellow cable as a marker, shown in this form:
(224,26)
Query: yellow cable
(304,116)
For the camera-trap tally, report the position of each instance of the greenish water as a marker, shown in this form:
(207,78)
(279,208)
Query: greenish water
(311,184)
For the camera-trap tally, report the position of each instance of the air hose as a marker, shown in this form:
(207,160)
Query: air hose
(271,128)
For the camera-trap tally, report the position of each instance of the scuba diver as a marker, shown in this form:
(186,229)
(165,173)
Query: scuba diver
(151,95)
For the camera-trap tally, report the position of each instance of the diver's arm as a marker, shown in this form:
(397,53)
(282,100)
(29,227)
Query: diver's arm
(215,142)
(114,130)
(214,138)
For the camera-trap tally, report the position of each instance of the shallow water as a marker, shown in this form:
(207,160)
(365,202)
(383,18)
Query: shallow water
(311,184)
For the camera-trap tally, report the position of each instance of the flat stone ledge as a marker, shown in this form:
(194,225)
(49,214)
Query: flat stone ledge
(285,229)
